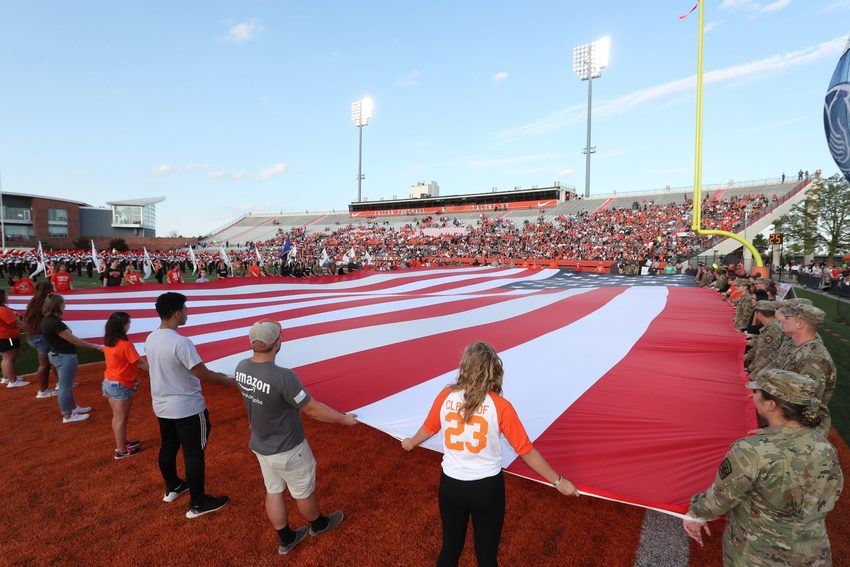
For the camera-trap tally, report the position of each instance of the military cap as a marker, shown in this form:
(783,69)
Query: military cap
(785,385)
(807,313)
(765,305)
(794,301)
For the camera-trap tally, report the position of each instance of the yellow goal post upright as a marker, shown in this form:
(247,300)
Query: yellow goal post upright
(696,223)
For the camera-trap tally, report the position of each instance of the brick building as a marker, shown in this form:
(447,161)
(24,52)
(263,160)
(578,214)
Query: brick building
(57,223)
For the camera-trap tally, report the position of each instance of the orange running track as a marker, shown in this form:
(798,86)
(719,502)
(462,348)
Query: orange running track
(66,500)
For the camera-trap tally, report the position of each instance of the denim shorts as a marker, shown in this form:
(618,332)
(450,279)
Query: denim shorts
(38,343)
(116,390)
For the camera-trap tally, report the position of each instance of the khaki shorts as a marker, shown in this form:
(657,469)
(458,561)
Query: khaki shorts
(295,468)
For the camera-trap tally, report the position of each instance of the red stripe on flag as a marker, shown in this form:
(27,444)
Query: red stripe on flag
(672,408)
(359,379)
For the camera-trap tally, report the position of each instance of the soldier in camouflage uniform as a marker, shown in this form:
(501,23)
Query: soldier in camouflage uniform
(777,486)
(766,344)
(706,278)
(808,355)
(721,282)
(744,310)
(787,345)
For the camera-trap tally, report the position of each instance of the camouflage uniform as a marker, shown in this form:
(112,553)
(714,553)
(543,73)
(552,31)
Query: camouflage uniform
(775,488)
(744,311)
(766,347)
(812,359)
(706,278)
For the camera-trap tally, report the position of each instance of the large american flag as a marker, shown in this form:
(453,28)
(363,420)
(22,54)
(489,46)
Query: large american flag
(632,391)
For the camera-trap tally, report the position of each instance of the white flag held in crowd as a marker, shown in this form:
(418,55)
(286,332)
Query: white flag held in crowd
(367,258)
(41,265)
(223,253)
(194,260)
(259,257)
(94,257)
(350,254)
(292,252)
(147,265)
(324,259)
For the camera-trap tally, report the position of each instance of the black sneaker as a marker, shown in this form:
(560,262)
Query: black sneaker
(333,521)
(172,495)
(211,504)
(300,534)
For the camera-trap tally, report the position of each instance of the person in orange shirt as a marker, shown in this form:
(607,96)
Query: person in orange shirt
(174,275)
(10,343)
(254,270)
(22,285)
(120,379)
(131,276)
(471,416)
(62,280)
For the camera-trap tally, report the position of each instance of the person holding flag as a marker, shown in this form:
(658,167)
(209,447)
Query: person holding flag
(95,257)
(41,263)
(174,275)
(62,280)
(131,276)
(254,270)
(22,285)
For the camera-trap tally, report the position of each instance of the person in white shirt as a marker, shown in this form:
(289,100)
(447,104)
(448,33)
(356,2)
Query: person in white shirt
(176,371)
(471,416)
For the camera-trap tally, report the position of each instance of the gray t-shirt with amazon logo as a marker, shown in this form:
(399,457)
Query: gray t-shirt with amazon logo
(273,397)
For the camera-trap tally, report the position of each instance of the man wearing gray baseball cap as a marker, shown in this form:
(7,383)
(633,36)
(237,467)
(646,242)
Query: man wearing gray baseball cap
(274,398)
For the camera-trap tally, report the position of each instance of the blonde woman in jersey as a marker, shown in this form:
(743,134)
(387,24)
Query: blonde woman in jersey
(471,415)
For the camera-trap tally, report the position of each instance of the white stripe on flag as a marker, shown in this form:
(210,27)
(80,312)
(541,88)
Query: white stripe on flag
(544,376)
(90,328)
(308,350)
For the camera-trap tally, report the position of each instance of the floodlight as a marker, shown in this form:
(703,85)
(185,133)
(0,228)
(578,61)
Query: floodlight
(588,61)
(361,111)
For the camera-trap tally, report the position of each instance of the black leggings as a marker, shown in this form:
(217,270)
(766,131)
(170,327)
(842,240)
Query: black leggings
(484,499)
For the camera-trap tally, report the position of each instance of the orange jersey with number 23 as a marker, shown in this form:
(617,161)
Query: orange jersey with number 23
(473,450)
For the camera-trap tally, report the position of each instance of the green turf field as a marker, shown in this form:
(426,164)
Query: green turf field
(836,337)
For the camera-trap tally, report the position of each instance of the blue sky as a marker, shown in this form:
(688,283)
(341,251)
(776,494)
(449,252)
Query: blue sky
(228,107)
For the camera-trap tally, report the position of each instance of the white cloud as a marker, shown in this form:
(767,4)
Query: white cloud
(409,79)
(269,172)
(165,169)
(566,172)
(835,7)
(197,166)
(244,32)
(775,6)
(500,76)
(754,6)
(711,26)
(759,68)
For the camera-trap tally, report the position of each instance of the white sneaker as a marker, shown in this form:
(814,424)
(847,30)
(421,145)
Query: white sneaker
(76,417)
(47,393)
(4,381)
(17,383)
(80,409)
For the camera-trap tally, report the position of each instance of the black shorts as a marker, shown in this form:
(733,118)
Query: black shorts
(10,344)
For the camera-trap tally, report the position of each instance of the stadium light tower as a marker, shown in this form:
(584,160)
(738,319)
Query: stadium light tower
(588,61)
(361,112)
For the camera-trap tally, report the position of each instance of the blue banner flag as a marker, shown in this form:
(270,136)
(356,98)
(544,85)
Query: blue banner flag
(836,114)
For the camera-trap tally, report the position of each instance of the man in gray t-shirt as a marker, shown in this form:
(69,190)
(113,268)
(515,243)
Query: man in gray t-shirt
(176,372)
(274,398)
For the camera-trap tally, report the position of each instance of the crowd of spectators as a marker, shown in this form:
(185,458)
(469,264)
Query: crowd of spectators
(644,234)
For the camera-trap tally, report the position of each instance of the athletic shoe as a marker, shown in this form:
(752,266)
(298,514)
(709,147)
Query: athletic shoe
(128,452)
(76,417)
(334,521)
(17,383)
(300,534)
(132,444)
(81,409)
(4,381)
(47,393)
(173,495)
(211,504)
